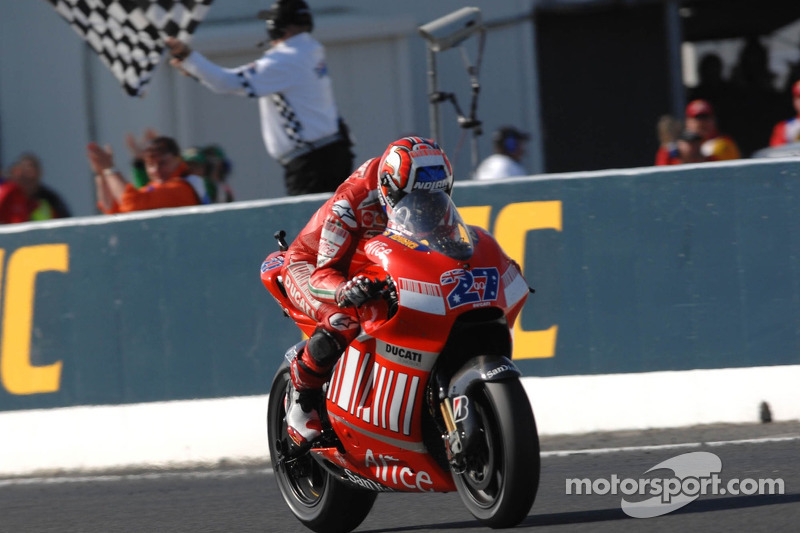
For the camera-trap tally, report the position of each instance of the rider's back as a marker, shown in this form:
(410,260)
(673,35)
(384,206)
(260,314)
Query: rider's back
(335,236)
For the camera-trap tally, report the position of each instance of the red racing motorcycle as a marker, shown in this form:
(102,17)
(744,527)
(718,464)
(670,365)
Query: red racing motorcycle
(427,398)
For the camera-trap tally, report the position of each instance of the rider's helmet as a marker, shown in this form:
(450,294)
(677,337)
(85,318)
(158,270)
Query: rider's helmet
(410,164)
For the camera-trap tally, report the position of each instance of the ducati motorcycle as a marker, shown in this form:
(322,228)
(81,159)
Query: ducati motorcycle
(427,398)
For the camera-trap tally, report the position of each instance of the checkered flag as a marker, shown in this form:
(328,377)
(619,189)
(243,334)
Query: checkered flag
(128,34)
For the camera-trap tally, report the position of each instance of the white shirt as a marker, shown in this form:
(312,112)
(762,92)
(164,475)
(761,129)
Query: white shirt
(292,84)
(499,166)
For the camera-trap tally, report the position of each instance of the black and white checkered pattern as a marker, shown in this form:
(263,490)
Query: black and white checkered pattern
(291,125)
(127,34)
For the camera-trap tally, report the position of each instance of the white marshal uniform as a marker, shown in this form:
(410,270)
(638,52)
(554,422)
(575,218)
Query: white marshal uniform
(498,166)
(291,81)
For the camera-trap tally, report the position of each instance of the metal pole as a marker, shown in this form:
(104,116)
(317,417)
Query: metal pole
(433,95)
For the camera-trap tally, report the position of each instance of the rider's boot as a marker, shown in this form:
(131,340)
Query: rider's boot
(303,395)
(302,419)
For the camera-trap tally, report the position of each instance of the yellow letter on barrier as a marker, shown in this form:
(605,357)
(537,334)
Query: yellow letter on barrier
(19,376)
(512,225)
(476,216)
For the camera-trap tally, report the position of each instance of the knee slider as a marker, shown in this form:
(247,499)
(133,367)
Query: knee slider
(324,348)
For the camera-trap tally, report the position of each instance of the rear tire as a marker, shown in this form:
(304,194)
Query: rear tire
(315,497)
(501,479)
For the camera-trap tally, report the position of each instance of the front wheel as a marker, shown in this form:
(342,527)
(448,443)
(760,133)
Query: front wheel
(316,498)
(501,478)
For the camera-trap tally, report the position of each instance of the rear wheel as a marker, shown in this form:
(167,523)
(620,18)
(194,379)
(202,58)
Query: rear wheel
(318,500)
(501,477)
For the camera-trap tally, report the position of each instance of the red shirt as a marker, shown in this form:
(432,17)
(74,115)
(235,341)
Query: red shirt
(14,204)
(174,192)
(785,132)
(667,155)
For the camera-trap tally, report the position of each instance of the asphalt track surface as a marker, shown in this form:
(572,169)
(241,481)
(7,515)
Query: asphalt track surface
(245,499)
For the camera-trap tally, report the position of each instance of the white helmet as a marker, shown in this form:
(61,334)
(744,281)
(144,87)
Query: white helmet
(412,163)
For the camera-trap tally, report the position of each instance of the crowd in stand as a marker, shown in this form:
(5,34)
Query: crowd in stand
(160,176)
(734,117)
(699,139)
(725,119)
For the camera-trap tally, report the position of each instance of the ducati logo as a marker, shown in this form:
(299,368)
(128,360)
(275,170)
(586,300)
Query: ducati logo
(460,408)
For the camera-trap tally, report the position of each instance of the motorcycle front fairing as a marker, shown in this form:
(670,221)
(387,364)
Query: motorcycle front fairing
(441,268)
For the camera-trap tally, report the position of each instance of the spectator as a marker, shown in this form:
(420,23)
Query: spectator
(170,185)
(211,163)
(667,129)
(195,173)
(44,202)
(788,131)
(752,71)
(717,90)
(300,121)
(758,104)
(219,169)
(700,119)
(712,85)
(508,144)
(14,205)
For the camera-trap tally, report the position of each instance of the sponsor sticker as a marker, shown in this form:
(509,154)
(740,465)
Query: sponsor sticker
(460,408)
(478,286)
(378,249)
(408,243)
(421,296)
(270,264)
(408,357)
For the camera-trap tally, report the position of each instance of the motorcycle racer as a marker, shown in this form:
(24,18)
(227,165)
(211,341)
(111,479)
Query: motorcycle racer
(320,264)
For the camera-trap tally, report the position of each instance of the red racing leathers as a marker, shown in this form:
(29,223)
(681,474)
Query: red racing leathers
(329,251)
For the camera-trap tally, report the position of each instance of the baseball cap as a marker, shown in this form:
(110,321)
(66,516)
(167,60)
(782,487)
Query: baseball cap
(697,108)
(194,155)
(796,89)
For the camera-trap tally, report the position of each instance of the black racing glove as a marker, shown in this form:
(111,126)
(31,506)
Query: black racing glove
(358,290)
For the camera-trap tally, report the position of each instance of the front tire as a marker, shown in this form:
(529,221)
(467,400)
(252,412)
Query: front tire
(316,498)
(501,477)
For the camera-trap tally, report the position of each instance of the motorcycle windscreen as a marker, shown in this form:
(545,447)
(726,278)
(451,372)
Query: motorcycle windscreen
(431,218)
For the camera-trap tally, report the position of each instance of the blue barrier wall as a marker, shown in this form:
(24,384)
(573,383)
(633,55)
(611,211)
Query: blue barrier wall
(641,270)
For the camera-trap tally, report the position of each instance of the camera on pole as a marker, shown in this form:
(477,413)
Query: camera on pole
(443,34)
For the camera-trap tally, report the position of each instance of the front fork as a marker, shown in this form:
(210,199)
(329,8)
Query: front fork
(454,436)
(462,424)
